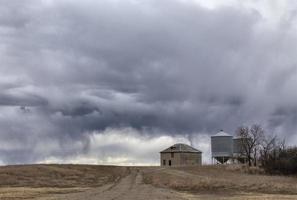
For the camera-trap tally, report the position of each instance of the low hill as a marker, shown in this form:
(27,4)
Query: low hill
(45,182)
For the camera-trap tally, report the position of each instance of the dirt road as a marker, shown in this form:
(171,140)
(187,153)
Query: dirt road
(132,187)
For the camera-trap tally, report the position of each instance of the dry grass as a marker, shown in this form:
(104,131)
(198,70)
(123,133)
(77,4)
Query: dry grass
(239,196)
(9,193)
(205,182)
(34,181)
(230,179)
(59,175)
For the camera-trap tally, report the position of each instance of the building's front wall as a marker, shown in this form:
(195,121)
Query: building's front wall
(180,159)
(190,159)
(173,158)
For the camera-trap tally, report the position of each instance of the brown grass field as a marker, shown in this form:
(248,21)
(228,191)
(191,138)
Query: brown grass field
(206,182)
(32,181)
(224,182)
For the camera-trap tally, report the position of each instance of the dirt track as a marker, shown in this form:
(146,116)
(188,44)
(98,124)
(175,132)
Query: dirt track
(132,187)
(128,188)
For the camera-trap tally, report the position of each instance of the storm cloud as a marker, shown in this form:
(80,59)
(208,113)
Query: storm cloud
(76,73)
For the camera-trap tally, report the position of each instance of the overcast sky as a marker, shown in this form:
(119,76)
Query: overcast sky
(116,81)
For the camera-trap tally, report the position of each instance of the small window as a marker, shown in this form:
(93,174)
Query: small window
(169,163)
(164,162)
(172,155)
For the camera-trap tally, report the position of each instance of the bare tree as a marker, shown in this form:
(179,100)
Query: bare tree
(271,146)
(251,139)
(267,146)
(282,144)
(243,133)
(257,136)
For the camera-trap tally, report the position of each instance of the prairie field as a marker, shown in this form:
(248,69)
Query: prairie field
(114,182)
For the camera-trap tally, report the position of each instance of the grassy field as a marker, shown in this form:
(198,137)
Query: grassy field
(226,179)
(32,181)
(205,182)
(59,176)
(9,193)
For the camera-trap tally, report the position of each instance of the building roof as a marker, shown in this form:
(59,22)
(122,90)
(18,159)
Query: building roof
(221,134)
(181,148)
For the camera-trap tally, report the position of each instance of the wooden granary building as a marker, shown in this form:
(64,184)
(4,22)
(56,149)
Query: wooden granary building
(180,155)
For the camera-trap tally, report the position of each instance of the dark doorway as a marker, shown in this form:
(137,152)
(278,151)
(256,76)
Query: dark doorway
(164,162)
(169,163)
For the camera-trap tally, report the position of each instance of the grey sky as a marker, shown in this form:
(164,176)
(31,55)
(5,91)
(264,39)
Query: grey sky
(75,71)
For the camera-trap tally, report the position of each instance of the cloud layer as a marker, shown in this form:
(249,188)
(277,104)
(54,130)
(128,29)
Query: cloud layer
(73,71)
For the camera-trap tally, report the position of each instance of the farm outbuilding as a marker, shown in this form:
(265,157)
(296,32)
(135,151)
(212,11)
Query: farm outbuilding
(180,155)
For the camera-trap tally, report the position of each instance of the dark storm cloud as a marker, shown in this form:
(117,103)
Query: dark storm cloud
(70,68)
(11,100)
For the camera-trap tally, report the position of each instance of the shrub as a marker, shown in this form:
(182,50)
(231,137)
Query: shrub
(282,161)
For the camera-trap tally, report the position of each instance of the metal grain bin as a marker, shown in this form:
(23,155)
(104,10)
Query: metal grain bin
(238,149)
(237,146)
(222,146)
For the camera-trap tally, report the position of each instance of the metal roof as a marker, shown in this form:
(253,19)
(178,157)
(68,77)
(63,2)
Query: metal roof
(220,134)
(181,148)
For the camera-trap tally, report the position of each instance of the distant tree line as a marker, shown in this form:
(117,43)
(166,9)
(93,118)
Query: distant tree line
(266,151)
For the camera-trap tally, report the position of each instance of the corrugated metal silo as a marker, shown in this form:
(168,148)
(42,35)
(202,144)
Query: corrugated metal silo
(238,149)
(237,146)
(222,146)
